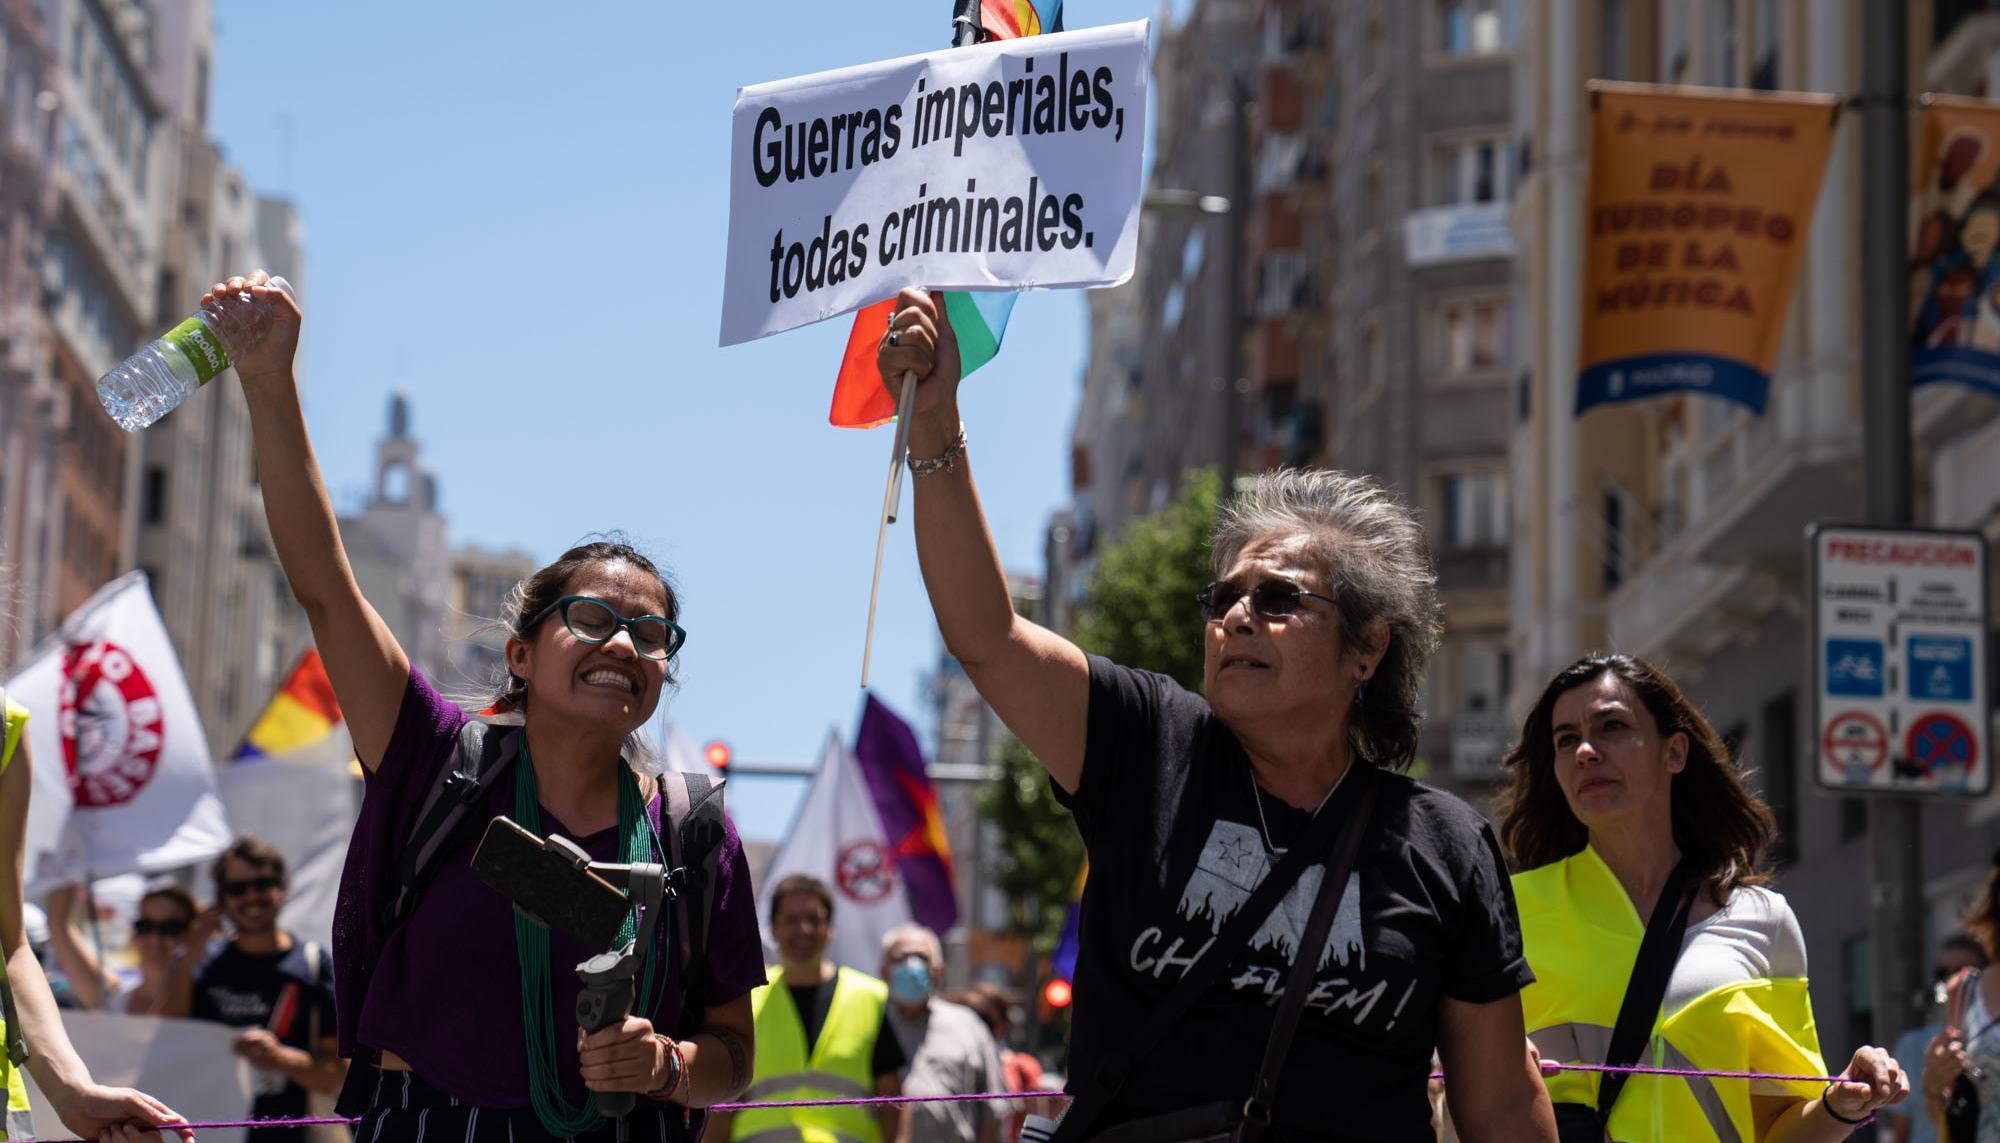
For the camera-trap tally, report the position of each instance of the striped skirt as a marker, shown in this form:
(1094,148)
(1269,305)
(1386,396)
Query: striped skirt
(405,1109)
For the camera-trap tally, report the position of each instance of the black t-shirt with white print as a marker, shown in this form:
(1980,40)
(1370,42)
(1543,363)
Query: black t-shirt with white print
(1168,813)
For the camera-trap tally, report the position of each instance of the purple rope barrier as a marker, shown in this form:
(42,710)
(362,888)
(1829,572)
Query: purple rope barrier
(1549,1067)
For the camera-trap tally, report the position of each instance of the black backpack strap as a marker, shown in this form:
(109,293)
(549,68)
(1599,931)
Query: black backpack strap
(482,755)
(1094,1093)
(1305,964)
(693,812)
(1647,988)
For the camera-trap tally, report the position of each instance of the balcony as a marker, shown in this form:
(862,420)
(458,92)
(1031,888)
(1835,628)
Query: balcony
(1756,482)
(1676,609)
(1458,233)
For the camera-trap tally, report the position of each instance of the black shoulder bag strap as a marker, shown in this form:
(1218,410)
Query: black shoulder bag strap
(1299,982)
(1093,1093)
(1647,988)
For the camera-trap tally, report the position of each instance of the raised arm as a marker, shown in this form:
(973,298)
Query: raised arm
(1037,681)
(88,978)
(85,1107)
(363,660)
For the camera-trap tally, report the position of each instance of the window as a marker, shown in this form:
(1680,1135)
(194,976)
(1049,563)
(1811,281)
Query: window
(1474,510)
(1470,27)
(1616,539)
(1371,203)
(1779,743)
(1471,171)
(1614,39)
(1764,68)
(1480,685)
(1724,50)
(1471,337)
(1371,363)
(153,499)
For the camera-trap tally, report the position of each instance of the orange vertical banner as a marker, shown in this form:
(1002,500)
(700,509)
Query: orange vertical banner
(1699,207)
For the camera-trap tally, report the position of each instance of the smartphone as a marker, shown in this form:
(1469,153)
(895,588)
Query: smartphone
(550,885)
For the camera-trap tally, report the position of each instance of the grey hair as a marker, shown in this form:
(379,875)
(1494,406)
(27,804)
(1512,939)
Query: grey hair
(1378,566)
(931,944)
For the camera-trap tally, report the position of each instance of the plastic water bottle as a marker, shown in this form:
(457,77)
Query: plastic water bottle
(154,381)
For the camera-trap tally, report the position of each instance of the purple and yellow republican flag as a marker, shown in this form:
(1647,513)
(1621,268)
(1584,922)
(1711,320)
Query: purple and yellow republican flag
(1699,207)
(900,785)
(302,713)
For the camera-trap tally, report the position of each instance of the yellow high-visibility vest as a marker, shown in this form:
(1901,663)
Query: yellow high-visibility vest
(1582,936)
(840,1066)
(13,724)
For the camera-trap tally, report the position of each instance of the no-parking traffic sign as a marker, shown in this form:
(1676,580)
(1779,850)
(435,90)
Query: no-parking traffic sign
(1898,660)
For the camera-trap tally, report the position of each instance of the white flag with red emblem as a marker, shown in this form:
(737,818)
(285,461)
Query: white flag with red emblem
(110,712)
(838,838)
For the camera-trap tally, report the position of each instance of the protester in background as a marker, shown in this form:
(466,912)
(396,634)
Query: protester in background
(1968,1043)
(1315,637)
(1906,1119)
(822,1033)
(995,1007)
(950,1051)
(85,1107)
(1623,797)
(269,982)
(169,928)
(461,1020)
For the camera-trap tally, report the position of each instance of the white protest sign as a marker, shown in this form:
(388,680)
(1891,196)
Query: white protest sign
(1005,165)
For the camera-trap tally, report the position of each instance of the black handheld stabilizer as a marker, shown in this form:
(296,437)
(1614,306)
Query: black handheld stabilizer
(553,883)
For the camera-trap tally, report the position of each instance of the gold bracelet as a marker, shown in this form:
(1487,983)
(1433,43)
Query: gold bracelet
(943,462)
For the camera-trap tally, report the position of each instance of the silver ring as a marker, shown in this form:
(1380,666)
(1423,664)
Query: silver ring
(892,339)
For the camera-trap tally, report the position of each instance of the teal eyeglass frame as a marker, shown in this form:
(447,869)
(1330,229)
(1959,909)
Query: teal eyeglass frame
(563,605)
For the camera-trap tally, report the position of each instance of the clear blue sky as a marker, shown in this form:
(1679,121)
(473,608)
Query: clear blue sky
(517,213)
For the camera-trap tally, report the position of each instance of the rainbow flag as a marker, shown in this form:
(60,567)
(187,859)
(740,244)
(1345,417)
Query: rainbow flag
(860,401)
(302,713)
(900,786)
(979,319)
(1012,19)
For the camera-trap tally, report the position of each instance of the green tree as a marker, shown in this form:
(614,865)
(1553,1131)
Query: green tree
(1138,611)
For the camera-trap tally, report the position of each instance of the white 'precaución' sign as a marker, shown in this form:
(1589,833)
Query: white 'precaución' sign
(1005,165)
(1898,660)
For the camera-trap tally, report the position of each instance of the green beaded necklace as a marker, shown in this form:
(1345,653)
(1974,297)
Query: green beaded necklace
(531,943)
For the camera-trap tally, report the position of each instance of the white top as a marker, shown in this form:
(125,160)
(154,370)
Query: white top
(1755,936)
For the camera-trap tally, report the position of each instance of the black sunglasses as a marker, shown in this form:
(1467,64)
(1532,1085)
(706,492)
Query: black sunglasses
(1272,599)
(146,927)
(593,621)
(262,884)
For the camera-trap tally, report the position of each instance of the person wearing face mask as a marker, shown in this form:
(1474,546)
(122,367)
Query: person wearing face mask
(950,1051)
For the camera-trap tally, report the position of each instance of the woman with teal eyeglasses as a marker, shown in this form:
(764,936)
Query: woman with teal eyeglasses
(458,1016)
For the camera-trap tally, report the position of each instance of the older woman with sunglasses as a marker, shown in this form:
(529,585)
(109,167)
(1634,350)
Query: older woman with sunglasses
(460,1018)
(1315,634)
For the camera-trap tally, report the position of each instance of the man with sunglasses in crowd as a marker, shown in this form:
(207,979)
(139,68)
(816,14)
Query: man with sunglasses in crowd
(274,985)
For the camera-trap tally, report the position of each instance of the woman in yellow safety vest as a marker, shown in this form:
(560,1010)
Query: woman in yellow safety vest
(1620,788)
(30,1027)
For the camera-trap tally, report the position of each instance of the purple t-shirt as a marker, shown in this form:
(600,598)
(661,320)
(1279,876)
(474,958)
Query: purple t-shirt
(443,991)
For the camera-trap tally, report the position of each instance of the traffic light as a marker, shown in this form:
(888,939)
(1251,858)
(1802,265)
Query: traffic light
(1056,993)
(716,754)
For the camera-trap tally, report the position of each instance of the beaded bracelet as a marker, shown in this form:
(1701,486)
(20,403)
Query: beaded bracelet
(943,462)
(675,1073)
